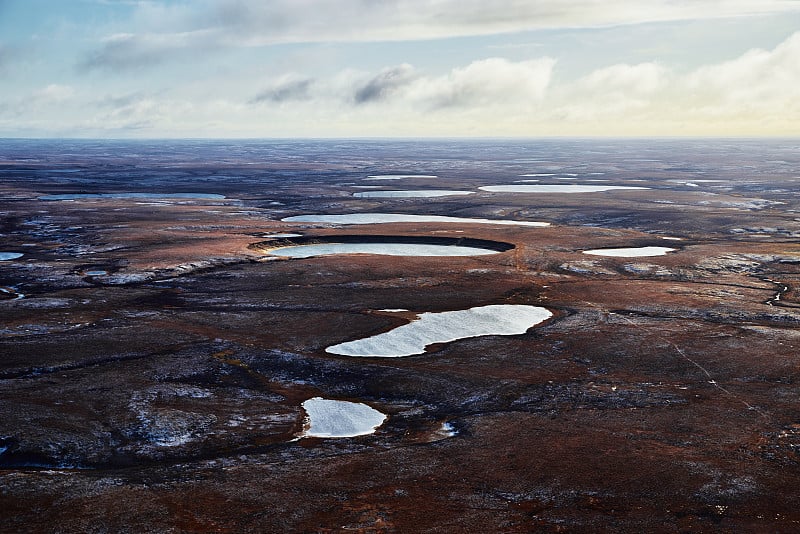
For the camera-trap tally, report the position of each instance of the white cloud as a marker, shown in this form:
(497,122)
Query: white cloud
(258,22)
(640,79)
(160,31)
(758,80)
(488,82)
(610,91)
(53,93)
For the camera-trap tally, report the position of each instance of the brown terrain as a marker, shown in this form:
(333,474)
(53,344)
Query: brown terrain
(154,356)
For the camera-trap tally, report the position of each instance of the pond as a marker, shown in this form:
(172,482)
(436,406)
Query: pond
(443,327)
(340,419)
(634,252)
(82,196)
(378,218)
(556,188)
(384,249)
(418,193)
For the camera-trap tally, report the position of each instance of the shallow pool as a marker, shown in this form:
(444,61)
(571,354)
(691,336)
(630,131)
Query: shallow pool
(340,419)
(635,252)
(377,218)
(444,327)
(555,188)
(81,196)
(418,193)
(384,249)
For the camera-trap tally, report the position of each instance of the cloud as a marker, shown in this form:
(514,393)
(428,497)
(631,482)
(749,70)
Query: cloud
(285,90)
(756,80)
(163,31)
(53,93)
(610,91)
(257,22)
(757,91)
(127,51)
(384,84)
(487,82)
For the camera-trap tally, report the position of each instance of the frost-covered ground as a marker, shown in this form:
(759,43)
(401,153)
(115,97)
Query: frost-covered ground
(636,252)
(376,218)
(340,419)
(555,188)
(411,193)
(443,327)
(384,249)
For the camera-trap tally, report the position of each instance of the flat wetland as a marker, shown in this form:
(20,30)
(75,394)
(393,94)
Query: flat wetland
(156,358)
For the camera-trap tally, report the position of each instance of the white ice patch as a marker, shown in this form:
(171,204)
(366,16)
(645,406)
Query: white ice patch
(448,430)
(398,176)
(411,193)
(378,218)
(555,188)
(91,196)
(384,249)
(5,256)
(637,252)
(443,327)
(277,236)
(340,419)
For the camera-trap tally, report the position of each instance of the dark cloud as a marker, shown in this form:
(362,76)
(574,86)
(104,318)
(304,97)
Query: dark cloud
(384,84)
(136,51)
(128,52)
(284,92)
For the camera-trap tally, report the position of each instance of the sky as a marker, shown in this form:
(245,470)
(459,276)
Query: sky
(399,68)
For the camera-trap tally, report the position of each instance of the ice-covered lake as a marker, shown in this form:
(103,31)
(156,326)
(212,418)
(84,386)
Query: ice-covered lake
(81,196)
(340,419)
(555,188)
(443,327)
(412,193)
(384,249)
(398,176)
(634,252)
(377,218)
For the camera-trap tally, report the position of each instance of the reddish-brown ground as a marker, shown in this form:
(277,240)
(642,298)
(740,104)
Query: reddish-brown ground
(165,396)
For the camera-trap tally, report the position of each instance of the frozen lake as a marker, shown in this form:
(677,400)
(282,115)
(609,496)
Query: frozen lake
(384,249)
(636,252)
(81,196)
(555,188)
(340,419)
(398,176)
(418,193)
(377,218)
(443,327)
